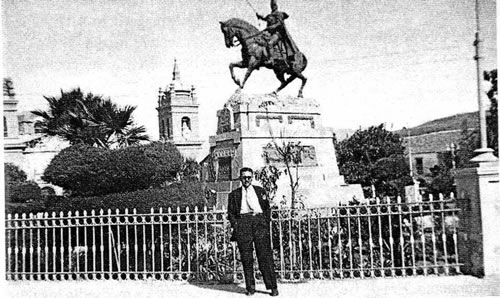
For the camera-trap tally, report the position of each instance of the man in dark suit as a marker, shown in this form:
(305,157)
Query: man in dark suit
(250,215)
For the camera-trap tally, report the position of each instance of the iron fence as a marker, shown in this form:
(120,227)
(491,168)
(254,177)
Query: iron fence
(379,239)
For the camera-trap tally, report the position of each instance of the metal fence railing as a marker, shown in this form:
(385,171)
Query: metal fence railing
(378,239)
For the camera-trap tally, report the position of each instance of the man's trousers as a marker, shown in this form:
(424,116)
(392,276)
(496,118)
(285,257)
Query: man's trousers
(254,229)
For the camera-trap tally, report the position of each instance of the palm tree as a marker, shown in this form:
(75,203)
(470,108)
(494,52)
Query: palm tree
(90,119)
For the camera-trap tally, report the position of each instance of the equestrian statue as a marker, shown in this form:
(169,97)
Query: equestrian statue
(272,48)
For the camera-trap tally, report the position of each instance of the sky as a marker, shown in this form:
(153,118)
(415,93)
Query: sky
(400,62)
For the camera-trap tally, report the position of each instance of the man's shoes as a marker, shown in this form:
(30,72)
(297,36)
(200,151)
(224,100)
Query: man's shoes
(274,292)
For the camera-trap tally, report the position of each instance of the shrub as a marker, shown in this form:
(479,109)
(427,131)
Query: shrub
(13,173)
(90,171)
(21,192)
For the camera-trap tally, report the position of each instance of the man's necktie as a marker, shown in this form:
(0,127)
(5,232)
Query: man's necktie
(250,209)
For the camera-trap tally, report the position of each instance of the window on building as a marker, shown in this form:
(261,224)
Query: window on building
(162,129)
(186,123)
(38,127)
(5,131)
(419,165)
(169,128)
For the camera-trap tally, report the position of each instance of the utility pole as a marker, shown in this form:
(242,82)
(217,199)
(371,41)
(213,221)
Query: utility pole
(484,153)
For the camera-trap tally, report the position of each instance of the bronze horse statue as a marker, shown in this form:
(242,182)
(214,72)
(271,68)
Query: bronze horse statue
(253,54)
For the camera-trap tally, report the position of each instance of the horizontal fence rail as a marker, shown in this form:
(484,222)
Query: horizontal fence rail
(380,239)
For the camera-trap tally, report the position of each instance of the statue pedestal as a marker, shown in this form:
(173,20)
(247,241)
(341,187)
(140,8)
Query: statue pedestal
(247,127)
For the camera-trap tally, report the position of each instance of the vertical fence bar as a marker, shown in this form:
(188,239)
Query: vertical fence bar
(205,227)
(179,239)
(118,244)
(188,230)
(197,238)
(401,237)
(320,247)
(144,248)
(454,231)
(110,245)
(136,242)
(31,226)
(370,238)
(46,246)
(101,246)
(16,224)
(38,247)
(422,237)
(282,253)
(290,244)
(61,230)
(309,238)
(360,242)
(433,235)
(330,248)
(299,255)
(162,265)
(69,242)
(391,238)
(77,244)
(152,240)
(94,248)
(444,234)
(339,234)
(54,248)
(8,242)
(380,239)
(23,250)
(127,244)
(349,235)
(216,249)
(85,242)
(412,241)
(170,240)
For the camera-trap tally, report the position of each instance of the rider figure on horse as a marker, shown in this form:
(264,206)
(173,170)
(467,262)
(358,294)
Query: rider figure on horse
(277,31)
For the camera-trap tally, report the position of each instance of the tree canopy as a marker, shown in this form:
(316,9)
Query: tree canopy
(90,119)
(374,156)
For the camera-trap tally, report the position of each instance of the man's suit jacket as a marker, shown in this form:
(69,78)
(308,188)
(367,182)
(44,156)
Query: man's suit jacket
(234,206)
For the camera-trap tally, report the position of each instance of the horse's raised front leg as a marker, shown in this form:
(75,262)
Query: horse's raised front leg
(239,64)
(252,64)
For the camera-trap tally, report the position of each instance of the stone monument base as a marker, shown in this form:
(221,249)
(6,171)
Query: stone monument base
(250,130)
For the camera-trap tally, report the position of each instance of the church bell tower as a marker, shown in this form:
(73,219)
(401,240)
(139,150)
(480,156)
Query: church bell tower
(178,118)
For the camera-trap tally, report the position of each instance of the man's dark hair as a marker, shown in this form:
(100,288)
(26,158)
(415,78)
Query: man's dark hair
(245,169)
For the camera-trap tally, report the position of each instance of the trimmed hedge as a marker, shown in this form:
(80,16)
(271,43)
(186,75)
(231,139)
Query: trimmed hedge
(89,171)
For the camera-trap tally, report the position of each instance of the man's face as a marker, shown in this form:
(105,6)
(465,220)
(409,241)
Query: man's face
(246,178)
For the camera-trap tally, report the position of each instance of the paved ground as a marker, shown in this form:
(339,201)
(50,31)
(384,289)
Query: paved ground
(464,286)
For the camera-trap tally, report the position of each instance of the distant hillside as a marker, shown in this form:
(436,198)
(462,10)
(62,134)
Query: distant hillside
(448,123)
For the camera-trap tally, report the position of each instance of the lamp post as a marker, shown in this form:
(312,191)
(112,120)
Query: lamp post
(483,153)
